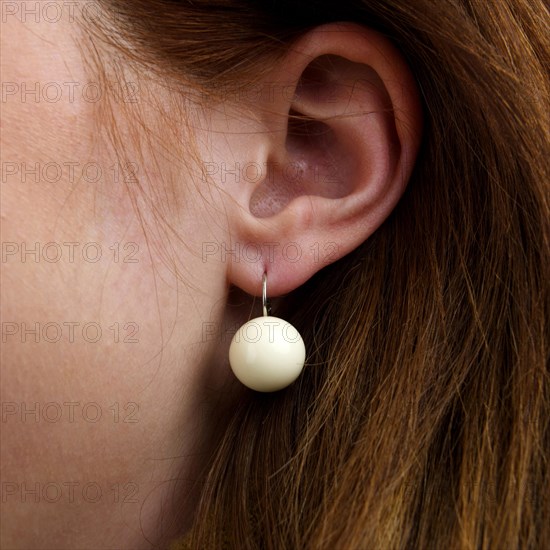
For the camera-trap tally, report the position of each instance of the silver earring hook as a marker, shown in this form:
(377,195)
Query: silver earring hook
(265,302)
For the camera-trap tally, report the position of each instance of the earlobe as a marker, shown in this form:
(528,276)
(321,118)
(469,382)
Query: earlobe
(339,152)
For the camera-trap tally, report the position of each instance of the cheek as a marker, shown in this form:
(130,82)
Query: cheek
(73,332)
(103,362)
(97,386)
(96,393)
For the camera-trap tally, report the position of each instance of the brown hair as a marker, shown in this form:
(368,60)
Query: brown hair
(422,417)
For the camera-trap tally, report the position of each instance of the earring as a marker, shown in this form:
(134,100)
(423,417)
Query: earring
(267,354)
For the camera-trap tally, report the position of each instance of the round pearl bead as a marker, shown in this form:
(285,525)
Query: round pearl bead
(267,354)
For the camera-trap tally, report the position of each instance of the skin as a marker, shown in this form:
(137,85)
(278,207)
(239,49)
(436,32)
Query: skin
(164,395)
(158,394)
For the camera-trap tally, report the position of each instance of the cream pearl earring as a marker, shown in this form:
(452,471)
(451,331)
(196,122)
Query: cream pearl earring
(267,353)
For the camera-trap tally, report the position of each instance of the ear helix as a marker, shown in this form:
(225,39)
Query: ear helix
(267,353)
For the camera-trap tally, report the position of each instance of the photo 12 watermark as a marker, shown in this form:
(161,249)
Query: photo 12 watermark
(68,171)
(70,491)
(272,92)
(53,91)
(70,412)
(255,172)
(51,12)
(323,253)
(253,332)
(70,332)
(69,252)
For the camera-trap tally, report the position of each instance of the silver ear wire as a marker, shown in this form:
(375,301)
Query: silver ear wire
(266,305)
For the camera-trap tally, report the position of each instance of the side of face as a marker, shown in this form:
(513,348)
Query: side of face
(109,368)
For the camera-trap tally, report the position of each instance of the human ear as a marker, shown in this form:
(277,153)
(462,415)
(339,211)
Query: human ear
(338,138)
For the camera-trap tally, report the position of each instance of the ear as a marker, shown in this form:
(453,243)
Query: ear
(336,140)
